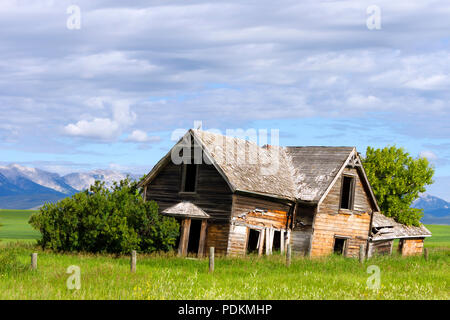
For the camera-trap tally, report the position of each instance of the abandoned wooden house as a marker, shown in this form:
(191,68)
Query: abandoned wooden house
(238,197)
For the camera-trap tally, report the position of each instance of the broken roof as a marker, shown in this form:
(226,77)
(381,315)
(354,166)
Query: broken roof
(186,209)
(389,229)
(249,167)
(294,173)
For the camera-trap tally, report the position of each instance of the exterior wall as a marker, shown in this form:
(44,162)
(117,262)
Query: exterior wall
(212,195)
(410,247)
(302,230)
(380,247)
(275,217)
(237,240)
(331,221)
(217,237)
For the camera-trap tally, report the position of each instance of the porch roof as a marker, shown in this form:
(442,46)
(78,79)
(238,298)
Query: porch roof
(186,209)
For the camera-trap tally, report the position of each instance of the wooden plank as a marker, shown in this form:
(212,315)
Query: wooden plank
(202,241)
(184,238)
(262,234)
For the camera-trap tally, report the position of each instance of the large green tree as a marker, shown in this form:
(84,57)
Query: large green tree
(397,180)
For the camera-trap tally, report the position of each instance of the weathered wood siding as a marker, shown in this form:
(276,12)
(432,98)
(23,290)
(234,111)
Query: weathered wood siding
(302,230)
(212,195)
(410,247)
(237,240)
(275,217)
(217,237)
(243,204)
(380,247)
(331,221)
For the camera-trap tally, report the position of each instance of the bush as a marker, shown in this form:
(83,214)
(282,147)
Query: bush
(115,220)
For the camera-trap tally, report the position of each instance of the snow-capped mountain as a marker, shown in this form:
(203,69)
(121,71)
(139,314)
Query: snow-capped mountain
(24,187)
(82,180)
(436,210)
(429,202)
(15,173)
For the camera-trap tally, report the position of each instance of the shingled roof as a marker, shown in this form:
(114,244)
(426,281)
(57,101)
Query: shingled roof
(315,168)
(249,167)
(186,209)
(294,173)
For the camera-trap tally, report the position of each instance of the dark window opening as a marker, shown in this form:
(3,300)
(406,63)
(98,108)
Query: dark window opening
(194,236)
(189,178)
(276,241)
(253,238)
(339,245)
(347,193)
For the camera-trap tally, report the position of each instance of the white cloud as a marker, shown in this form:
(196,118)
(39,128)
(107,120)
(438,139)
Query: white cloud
(104,128)
(141,137)
(430,155)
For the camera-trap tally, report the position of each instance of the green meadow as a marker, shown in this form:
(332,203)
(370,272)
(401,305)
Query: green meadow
(165,276)
(14,226)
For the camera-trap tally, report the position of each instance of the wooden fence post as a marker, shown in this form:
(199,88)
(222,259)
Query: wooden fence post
(133,261)
(288,255)
(211,259)
(361,253)
(425,254)
(33,261)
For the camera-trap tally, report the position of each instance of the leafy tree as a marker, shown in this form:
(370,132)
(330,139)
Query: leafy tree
(397,179)
(114,220)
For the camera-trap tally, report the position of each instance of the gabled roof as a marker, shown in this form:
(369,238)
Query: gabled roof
(186,209)
(389,229)
(293,173)
(249,167)
(315,168)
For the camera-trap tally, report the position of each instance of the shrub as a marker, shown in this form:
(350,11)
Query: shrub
(115,220)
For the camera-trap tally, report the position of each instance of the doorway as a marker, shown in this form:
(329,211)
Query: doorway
(276,241)
(253,239)
(194,236)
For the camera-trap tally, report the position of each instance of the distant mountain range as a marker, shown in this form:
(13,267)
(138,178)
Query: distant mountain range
(29,188)
(436,210)
(26,188)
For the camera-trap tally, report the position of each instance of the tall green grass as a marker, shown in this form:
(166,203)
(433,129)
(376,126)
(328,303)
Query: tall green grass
(169,277)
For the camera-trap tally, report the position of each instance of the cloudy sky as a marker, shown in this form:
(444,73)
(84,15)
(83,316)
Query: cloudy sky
(110,93)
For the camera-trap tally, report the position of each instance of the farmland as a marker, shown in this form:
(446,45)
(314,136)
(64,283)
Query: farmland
(14,226)
(167,277)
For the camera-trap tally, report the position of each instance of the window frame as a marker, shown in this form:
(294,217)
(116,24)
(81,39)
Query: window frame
(183,179)
(351,197)
(344,247)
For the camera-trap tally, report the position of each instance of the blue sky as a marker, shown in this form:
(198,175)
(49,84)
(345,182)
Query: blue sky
(110,94)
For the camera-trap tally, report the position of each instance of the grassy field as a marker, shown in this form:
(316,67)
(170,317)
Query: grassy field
(14,226)
(168,277)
